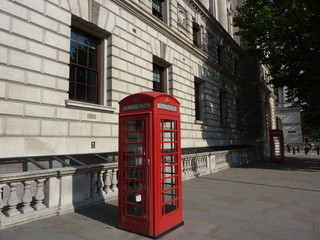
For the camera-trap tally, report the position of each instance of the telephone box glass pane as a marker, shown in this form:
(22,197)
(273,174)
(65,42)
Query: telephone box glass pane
(134,137)
(169,171)
(135,173)
(134,198)
(134,125)
(135,210)
(169,207)
(134,161)
(170,195)
(135,149)
(169,159)
(168,124)
(169,183)
(169,136)
(276,146)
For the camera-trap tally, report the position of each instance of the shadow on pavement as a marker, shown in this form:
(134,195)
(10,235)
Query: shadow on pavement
(105,212)
(292,163)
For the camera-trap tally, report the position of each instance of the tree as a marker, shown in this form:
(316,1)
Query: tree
(285,35)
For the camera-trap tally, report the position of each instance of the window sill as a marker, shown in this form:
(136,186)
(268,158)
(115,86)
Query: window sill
(199,122)
(89,106)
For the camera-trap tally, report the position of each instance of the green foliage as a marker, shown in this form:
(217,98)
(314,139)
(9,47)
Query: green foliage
(285,34)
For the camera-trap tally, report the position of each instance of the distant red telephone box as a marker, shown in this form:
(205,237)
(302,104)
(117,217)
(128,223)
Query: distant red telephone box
(150,194)
(276,146)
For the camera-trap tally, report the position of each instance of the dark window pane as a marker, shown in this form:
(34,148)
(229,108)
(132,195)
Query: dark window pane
(92,78)
(92,46)
(92,61)
(82,58)
(81,75)
(83,42)
(73,55)
(158,78)
(71,90)
(74,41)
(92,94)
(81,92)
(72,74)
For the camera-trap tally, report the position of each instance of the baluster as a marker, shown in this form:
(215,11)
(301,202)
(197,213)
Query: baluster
(13,200)
(114,180)
(186,166)
(99,182)
(194,165)
(27,198)
(1,200)
(39,195)
(93,184)
(183,163)
(189,165)
(107,181)
(198,164)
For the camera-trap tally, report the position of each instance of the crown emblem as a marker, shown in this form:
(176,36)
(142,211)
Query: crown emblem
(135,100)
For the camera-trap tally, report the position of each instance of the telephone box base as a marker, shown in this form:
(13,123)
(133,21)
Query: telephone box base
(155,236)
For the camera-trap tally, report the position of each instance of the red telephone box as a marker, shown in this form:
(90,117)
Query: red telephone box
(276,146)
(150,193)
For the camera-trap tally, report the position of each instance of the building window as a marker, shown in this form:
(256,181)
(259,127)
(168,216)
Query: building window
(196,34)
(219,54)
(158,78)
(157,9)
(198,99)
(222,108)
(84,67)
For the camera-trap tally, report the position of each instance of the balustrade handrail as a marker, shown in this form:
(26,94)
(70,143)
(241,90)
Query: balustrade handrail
(54,172)
(209,153)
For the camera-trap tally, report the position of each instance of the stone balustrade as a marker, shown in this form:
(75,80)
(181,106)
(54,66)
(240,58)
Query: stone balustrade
(195,165)
(33,195)
(28,196)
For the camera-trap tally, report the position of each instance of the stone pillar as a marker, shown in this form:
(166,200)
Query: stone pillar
(39,195)
(26,199)
(222,13)
(1,200)
(13,200)
(107,181)
(114,180)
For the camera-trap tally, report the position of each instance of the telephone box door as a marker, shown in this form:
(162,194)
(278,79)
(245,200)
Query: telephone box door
(276,146)
(169,211)
(134,175)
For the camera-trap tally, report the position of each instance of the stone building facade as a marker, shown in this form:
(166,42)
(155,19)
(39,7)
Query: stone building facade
(65,65)
(288,119)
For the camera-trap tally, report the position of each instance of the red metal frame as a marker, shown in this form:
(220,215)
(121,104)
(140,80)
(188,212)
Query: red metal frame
(276,146)
(159,151)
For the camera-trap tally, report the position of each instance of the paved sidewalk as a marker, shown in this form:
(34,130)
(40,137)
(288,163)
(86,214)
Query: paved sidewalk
(260,201)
